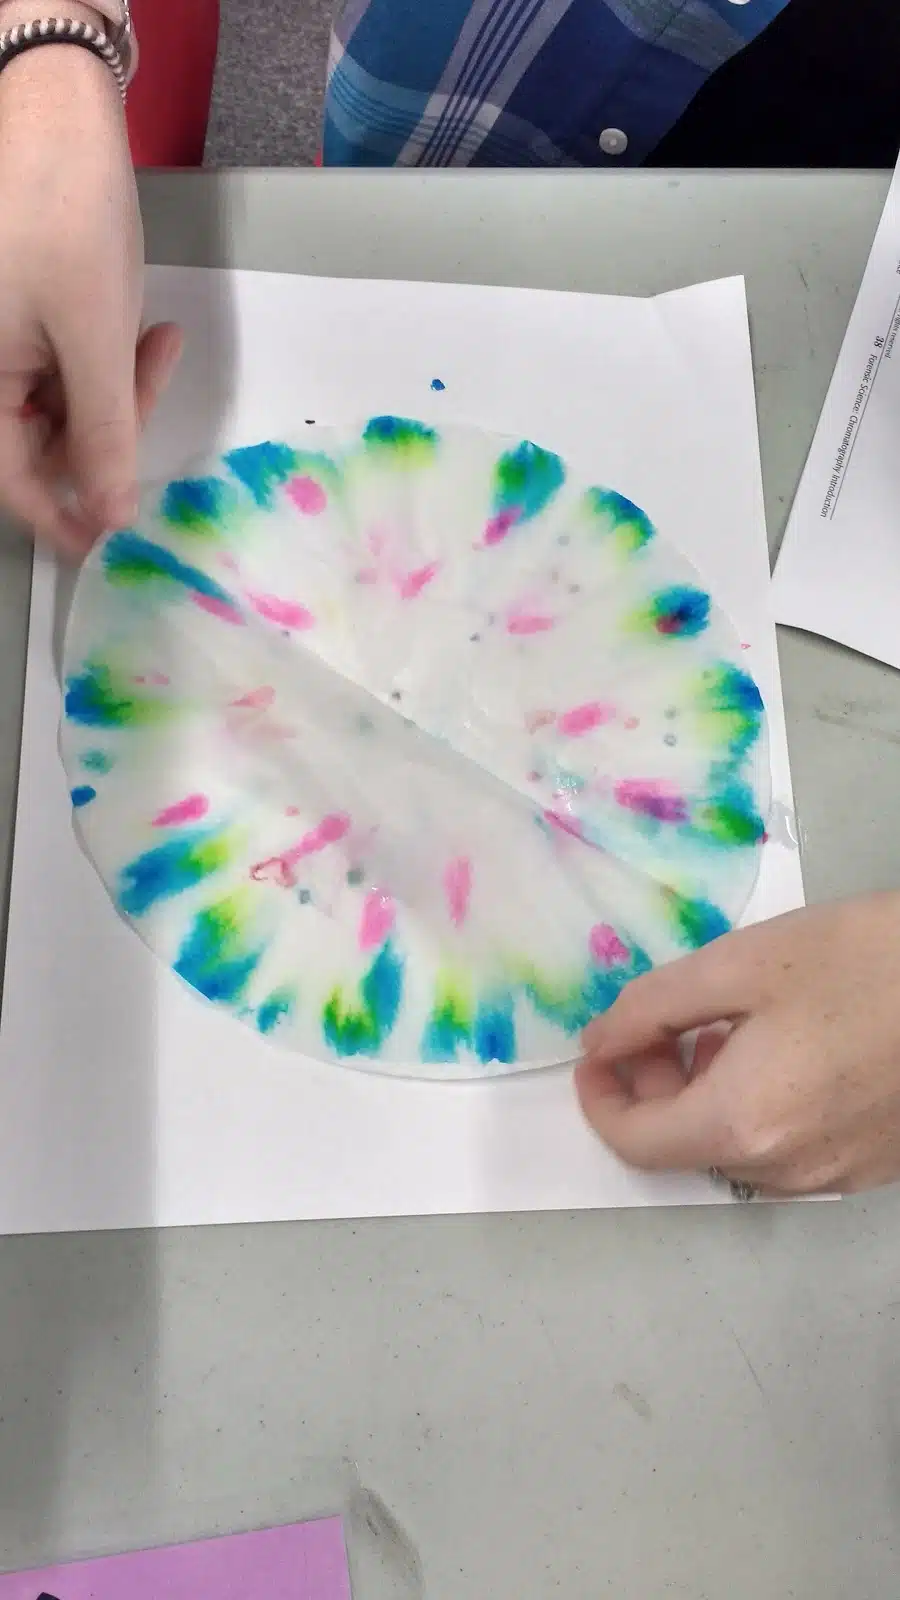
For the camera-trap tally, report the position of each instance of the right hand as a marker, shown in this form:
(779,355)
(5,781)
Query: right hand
(77,377)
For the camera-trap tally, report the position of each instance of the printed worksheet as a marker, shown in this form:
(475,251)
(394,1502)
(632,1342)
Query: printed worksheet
(838,572)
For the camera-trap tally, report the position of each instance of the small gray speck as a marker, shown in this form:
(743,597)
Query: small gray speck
(304,896)
(669,738)
(563,539)
(396,695)
(671,713)
(355,877)
(474,638)
(364,724)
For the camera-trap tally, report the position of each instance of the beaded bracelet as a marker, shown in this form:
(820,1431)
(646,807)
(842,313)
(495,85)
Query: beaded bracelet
(61,30)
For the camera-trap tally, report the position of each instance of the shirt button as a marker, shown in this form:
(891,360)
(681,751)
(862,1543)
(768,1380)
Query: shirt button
(613,142)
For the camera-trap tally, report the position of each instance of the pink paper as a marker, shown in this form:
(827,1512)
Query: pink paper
(307,1561)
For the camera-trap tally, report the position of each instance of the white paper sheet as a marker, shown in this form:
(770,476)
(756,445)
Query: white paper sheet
(123,1101)
(838,571)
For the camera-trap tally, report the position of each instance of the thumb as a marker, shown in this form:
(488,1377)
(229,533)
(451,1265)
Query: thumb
(678,1129)
(102,426)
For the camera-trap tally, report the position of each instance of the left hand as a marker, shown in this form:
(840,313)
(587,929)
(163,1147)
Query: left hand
(800,1093)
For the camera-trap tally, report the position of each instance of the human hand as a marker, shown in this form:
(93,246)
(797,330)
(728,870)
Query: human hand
(801,1093)
(76,381)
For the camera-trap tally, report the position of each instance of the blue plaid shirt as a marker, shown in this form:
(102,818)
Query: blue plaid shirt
(522,83)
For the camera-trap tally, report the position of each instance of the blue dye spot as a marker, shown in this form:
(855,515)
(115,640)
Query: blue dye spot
(263,468)
(273,1011)
(208,962)
(382,988)
(169,870)
(495,1030)
(83,795)
(197,505)
(130,558)
(525,481)
(97,761)
(695,922)
(438,385)
(681,611)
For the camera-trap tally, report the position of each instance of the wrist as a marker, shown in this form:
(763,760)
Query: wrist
(12,12)
(53,78)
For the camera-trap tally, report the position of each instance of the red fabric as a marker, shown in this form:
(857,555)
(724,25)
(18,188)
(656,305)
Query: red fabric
(168,103)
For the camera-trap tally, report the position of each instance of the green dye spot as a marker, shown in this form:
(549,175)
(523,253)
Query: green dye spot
(730,818)
(411,443)
(731,706)
(525,481)
(198,505)
(450,1025)
(100,696)
(132,560)
(218,957)
(565,1003)
(614,517)
(694,922)
(359,1025)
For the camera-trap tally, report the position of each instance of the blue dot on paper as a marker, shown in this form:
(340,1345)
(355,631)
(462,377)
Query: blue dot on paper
(83,795)
(438,385)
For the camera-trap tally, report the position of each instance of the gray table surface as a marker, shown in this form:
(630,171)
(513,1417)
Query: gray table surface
(688,1404)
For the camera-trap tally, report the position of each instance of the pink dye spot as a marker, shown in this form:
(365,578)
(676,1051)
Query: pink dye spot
(631,723)
(745,646)
(257,699)
(329,831)
(564,824)
(228,562)
(292,811)
(411,584)
(367,575)
(458,889)
(161,679)
(280,869)
(307,495)
(606,947)
(376,919)
(529,622)
(223,609)
(583,719)
(140,679)
(276,870)
(652,798)
(190,809)
(539,719)
(284,613)
(499,526)
(533,777)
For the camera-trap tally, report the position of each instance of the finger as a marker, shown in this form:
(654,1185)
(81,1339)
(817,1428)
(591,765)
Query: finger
(709,986)
(98,378)
(158,354)
(675,1132)
(655,1075)
(708,1044)
(29,498)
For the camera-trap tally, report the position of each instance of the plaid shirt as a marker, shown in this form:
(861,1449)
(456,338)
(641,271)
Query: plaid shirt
(522,83)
